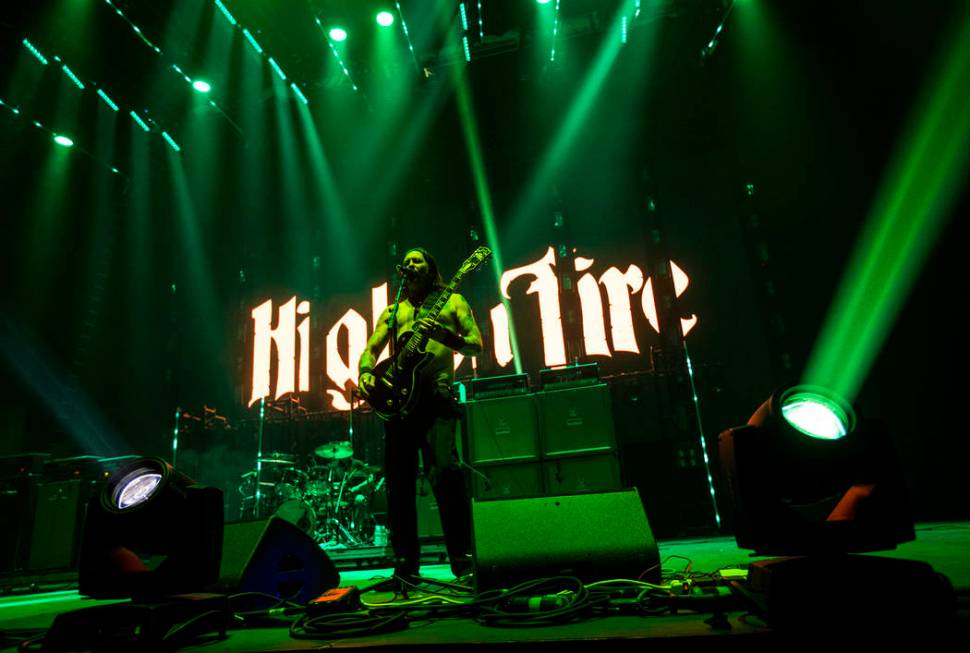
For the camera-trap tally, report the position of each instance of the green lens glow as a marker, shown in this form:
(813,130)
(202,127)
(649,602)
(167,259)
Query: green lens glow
(815,415)
(138,490)
(63,140)
(201,86)
(385,19)
(338,34)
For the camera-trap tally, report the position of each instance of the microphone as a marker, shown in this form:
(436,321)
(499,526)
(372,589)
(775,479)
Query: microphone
(407,273)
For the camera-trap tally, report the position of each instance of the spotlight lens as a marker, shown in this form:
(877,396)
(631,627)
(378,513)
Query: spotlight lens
(137,489)
(201,86)
(385,19)
(338,34)
(63,140)
(543,2)
(815,415)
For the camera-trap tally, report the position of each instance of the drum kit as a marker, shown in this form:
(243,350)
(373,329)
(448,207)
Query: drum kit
(334,497)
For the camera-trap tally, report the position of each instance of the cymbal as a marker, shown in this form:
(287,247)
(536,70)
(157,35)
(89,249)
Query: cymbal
(278,459)
(335,450)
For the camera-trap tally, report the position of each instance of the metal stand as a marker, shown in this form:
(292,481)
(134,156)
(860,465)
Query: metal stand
(259,458)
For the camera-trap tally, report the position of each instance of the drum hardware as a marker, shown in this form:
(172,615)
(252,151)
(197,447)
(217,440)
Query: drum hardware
(329,496)
(331,501)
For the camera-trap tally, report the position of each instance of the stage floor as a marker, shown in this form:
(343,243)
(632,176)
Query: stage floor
(945,546)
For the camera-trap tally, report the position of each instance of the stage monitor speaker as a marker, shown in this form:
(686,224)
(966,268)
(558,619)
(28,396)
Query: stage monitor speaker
(274,557)
(576,421)
(502,430)
(590,536)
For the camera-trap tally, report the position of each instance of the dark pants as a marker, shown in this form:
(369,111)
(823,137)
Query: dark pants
(429,429)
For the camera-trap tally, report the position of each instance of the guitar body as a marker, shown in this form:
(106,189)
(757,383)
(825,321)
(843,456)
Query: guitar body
(398,387)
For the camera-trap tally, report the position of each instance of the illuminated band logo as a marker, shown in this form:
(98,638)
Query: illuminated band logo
(292,339)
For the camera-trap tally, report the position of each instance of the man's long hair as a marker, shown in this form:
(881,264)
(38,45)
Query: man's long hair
(437,282)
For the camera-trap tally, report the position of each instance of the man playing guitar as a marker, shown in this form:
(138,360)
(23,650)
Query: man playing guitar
(429,426)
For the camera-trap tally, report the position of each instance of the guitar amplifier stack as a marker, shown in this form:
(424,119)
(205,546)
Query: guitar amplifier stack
(552,442)
(42,509)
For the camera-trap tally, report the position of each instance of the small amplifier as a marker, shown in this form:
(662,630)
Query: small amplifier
(498,386)
(85,468)
(23,464)
(570,376)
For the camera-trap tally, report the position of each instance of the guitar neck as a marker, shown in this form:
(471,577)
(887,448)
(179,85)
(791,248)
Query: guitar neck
(418,339)
(479,256)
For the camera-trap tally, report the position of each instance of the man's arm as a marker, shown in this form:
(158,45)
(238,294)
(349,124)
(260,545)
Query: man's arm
(368,359)
(467,328)
(467,341)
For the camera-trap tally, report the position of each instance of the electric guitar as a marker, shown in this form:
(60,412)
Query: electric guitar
(397,386)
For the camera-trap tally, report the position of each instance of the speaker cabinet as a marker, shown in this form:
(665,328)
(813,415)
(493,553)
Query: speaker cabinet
(18,502)
(429,520)
(274,557)
(502,430)
(56,534)
(590,536)
(507,481)
(576,421)
(582,474)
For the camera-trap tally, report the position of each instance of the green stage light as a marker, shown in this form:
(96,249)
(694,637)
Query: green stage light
(339,59)
(813,501)
(299,93)
(483,193)
(252,41)
(338,34)
(63,140)
(34,51)
(276,67)
(107,100)
(407,36)
(137,30)
(201,86)
(148,508)
(171,141)
(72,76)
(918,194)
(816,414)
(14,109)
(385,19)
(543,2)
(555,32)
(225,12)
(137,119)
(481,23)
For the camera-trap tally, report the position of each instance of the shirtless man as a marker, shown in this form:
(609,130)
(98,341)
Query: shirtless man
(430,426)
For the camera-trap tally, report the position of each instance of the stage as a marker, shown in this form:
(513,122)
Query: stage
(684,269)
(712,617)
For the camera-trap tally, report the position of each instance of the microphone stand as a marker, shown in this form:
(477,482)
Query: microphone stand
(392,319)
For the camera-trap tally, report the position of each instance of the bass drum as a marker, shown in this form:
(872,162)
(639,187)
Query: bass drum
(299,513)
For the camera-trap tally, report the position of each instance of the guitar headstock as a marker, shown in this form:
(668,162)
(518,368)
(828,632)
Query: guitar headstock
(476,260)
